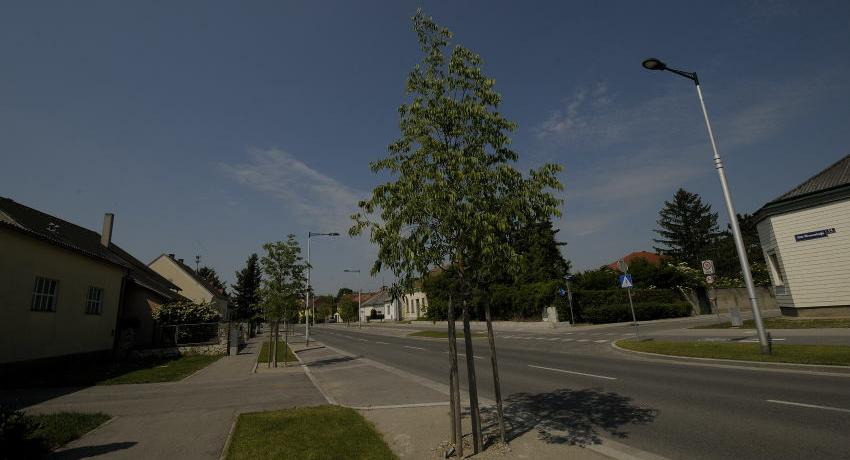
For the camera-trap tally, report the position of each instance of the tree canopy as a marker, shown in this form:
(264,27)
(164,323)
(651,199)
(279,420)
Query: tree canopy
(687,228)
(246,291)
(209,275)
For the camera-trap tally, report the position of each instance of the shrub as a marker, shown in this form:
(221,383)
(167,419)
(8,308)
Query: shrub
(17,435)
(186,312)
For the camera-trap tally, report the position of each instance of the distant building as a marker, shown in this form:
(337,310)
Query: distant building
(380,306)
(650,257)
(68,291)
(805,236)
(190,283)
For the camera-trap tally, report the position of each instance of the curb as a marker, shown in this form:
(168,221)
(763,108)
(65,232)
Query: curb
(313,380)
(810,369)
(226,447)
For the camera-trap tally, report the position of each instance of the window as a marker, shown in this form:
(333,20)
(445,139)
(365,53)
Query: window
(417,305)
(776,273)
(44,294)
(94,301)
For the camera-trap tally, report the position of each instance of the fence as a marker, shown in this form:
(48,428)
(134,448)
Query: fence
(175,335)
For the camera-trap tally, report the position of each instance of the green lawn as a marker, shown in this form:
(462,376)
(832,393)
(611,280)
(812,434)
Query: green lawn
(781,322)
(798,354)
(307,433)
(56,430)
(109,372)
(443,334)
(263,357)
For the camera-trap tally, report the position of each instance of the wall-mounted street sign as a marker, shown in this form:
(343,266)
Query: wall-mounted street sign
(707,267)
(814,235)
(626,281)
(709,279)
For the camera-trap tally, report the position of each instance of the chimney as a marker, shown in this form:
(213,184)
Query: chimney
(180,260)
(171,255)
(106,235)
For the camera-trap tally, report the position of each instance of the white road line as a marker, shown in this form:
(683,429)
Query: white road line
(464,355)
(756,340)
(382,343)
(567,340)
(583,340)
(811,406)
(600,341)
(362,340)
(414,348)
(572,372)
(541,338)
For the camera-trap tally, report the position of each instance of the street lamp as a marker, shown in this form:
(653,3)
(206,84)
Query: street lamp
(656,64)
(359,298)
(307,306)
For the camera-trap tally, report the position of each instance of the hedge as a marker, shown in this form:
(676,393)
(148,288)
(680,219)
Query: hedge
(643,312)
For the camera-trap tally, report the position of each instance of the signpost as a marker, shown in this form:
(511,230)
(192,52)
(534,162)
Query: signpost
(708,271)
(569,294)
(626,283)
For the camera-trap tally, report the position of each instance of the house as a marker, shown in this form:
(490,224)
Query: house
(414,304)
(191,285)
(381,305)
(805,236)
(67,291)
(650,257)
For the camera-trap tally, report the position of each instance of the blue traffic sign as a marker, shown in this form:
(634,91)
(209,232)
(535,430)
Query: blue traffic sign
(626,281)
(562,292)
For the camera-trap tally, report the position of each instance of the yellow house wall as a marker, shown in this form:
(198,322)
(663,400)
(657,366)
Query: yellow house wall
(26,334)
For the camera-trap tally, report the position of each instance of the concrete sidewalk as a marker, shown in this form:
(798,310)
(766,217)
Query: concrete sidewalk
(189,419)
(412,412)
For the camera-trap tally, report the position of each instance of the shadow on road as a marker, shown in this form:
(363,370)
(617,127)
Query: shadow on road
(91,451)
(565,416)
(331,361)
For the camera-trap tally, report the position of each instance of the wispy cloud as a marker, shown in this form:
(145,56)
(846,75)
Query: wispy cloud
(311,195)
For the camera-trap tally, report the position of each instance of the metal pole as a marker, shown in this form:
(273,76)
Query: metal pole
(634,318)
(570,301)
(736,232)
(359,305)
(307,303)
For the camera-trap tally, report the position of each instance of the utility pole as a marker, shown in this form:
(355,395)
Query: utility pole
(197,263)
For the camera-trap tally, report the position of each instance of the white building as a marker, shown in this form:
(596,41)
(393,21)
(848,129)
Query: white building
(410,306)
(805,236)
(413,305)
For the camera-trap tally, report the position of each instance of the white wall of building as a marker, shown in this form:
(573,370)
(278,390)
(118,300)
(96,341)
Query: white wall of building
(815,272)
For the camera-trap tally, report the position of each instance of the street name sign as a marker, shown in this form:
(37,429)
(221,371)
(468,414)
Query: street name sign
(626,281)
(814,235)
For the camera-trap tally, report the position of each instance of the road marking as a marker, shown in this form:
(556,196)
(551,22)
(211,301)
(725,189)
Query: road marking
(414,348)
(464,355)
(811,406)
(573,372)
(540,338)
(567,340)
(382,343)
(362,340)
(583,340)
(600,341)
(756,340)
(554,338)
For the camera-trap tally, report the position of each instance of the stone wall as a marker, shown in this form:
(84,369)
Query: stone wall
(218,347)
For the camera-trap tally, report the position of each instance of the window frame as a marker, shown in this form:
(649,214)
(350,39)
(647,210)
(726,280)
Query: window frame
(43,300)
(98,301)
(777,274)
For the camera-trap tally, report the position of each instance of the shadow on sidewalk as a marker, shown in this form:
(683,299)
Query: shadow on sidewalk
(91,451)
(565,416)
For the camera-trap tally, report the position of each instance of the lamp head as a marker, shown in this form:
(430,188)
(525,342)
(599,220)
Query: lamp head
(333,234)
(654,64)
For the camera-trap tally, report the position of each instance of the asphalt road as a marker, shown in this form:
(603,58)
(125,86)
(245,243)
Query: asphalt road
(574,387)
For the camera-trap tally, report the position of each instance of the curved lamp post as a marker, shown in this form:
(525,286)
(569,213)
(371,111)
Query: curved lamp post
(307,306)
(657,64)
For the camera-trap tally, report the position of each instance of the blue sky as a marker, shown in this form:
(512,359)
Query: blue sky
(212,127)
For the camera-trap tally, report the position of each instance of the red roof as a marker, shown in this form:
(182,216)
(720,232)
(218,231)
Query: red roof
(650,257)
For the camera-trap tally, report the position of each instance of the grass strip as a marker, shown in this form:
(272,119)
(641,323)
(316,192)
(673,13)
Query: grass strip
(307,433)
(263,357)
(782,353)
(160,370)
(780,322)
(443,334)
(56,430)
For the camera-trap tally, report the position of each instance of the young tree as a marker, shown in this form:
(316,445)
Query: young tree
(347,308)
(246,291)
(455,194)
(282,288)
(209,275)
(687,228)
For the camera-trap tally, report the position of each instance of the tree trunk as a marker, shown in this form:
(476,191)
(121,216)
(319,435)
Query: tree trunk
(271,336)
(472,382)
(497,386)
(276,340)
(285,342)
(454,383)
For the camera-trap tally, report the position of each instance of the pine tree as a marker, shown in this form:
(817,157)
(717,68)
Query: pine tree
(246,291)
(687,228)
(209,275)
